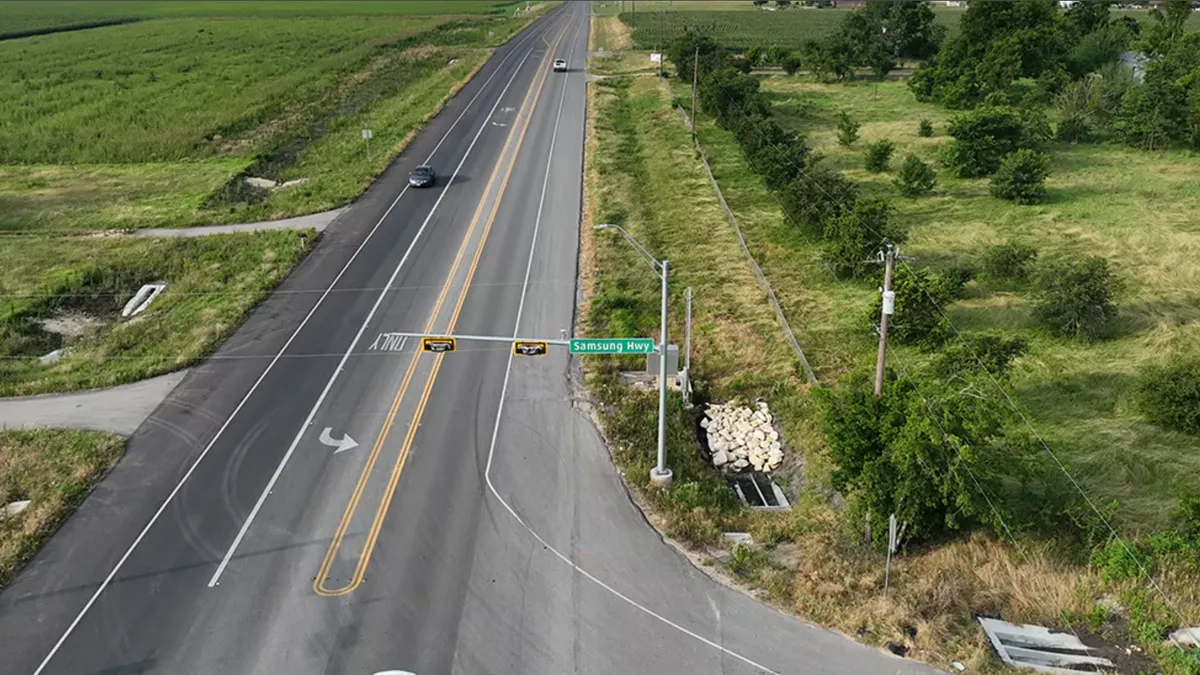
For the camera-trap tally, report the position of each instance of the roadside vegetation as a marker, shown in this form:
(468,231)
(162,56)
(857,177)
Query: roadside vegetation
(52,469)
(68,293)
(1042,380)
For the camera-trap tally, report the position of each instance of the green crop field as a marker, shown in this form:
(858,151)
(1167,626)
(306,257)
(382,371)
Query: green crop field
(156,122)
(17,16)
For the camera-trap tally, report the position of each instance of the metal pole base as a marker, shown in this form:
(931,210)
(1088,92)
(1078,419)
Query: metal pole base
(660,480)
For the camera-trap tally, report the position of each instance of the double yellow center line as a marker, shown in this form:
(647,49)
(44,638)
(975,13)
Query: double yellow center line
(319,582)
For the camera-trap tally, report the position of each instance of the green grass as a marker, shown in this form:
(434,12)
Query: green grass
(53,469)
(107,196)
(213,282)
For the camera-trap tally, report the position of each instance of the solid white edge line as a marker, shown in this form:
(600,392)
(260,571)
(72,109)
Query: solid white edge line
(153,519)
(262,498)
(487,472)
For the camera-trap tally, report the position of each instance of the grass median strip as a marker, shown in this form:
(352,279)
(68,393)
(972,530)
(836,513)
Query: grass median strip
(67,293)
(52,469)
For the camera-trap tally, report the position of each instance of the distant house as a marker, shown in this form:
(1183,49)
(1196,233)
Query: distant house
(849,4)
(1067,4)
(1136,61)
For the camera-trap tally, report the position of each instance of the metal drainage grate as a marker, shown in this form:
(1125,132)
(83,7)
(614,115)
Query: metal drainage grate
(1036,647)
(759,491)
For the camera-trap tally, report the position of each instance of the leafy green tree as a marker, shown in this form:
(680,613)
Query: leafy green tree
(1022,176)
(857,234)
(924,450)
(817,198)
(1010,261)
(998,43)
(729,95)
(792,64)
(925,129)
(1073,129)
(847,129)
(682,51)
(1087,16)
(991,352)
(1077,298)
(915,177)
(1168,26)
(921,296)
(776,54)
(831,59)
(879,154)
(1165,109)
(1097,48)
(757,55)
(1169,395)
(981,138)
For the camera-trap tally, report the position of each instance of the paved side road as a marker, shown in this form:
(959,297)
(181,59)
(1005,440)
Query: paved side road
(315,221)
(120,410)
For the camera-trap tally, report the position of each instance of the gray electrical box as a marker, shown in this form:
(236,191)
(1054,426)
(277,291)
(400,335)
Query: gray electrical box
(672,362)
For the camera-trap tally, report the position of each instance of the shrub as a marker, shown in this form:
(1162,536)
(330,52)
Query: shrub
(982,138)
(915,177)
(813,200)
(791,64)
(879,154)
(857,234)
(1073,129)
(1076,298)
(847,129)
(990,351)
(920,297)
(1170,396)
(922,451)
(925,129)
(1022,177)
(1010,260)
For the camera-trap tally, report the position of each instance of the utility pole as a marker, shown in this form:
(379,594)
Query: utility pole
(687,349)
(889,308)
(661,37)
(695,70)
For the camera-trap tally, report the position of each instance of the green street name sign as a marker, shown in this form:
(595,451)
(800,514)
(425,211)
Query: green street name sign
(612,346)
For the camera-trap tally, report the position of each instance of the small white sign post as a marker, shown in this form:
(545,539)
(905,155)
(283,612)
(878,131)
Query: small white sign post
(887,573)
(367,134)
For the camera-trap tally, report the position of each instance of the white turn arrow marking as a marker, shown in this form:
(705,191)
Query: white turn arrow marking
(345,443)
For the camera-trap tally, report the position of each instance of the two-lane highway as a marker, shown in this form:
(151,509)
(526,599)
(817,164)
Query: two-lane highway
(476,525)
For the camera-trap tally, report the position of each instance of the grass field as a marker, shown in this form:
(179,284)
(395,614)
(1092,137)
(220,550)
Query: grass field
(1132,207)
(68,293)
(53,469)
(179,107)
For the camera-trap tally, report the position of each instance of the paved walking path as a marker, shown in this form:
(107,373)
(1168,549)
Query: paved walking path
(120,410)
(316,221)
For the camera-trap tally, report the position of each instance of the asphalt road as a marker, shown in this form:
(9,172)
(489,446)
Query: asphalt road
(475,525)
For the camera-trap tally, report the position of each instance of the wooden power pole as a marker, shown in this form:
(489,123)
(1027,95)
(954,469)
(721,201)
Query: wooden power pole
(889,308)
(695,79)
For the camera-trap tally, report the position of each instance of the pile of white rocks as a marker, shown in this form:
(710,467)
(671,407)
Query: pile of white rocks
(742,437)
